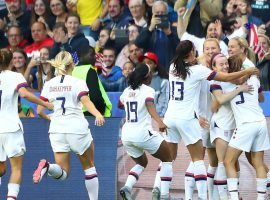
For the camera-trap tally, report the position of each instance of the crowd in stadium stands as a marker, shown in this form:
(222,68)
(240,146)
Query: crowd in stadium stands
(108,38)
(120,33)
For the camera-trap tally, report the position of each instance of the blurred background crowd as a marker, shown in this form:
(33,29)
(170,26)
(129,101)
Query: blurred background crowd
(107,37)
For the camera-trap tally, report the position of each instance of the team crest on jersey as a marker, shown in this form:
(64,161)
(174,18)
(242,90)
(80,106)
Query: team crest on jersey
(131,94)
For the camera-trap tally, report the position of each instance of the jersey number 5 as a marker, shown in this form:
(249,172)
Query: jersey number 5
(63,99)
(177,86)
(132,107)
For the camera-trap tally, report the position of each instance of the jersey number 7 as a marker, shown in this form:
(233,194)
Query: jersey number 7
(63,99)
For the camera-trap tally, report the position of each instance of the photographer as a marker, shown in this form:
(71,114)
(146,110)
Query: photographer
(160,37)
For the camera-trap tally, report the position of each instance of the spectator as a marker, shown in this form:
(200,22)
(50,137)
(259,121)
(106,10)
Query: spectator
(134,52)
(118,20)
(91,14)
(211,31)
(113,73)
(159,83)
(15,38)
(16,17)
(122,83)
(123,56)
(137,11)
(41,12)
(59,10)
(97,94)
(264,63)
(45,70)
(160,40)
(76,41)
(40,39)
(104,36)
(19,65)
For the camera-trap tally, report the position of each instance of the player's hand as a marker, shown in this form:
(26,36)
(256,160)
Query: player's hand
(204,123)
(253,71)
(99,120)
(246,88)
(162,127)
(49,106)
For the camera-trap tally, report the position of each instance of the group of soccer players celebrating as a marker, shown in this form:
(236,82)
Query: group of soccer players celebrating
(213,105)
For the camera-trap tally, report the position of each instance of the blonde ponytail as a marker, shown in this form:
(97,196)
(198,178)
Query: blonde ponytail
(62,62)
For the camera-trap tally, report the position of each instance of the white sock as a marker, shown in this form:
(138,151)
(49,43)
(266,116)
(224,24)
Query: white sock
(13,191)
(133,176)
(210,181)
(233,188)
(221,181)
(166,173)
(200,178)
(268,182)
(57,172)
(157,179)
(189,181)
(261,188)
(91,183)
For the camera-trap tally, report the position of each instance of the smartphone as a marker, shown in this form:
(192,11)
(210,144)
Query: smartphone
(164,21)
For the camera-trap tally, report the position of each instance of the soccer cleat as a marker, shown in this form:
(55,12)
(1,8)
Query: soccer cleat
(42,169)
(156,193)
(125,193)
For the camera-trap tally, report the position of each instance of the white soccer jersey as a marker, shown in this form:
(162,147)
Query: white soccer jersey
(224,117)
(245,106)
(10,83)
(138,120)
(184,94)
(65,93)
(205,100)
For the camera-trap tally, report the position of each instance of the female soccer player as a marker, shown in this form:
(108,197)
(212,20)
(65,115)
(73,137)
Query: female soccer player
(12,143)
(185,77)
(222,123)
(138,134)
(250,136)
(68,128)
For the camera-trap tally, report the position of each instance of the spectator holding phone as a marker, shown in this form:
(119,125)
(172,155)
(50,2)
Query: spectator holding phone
(159,37)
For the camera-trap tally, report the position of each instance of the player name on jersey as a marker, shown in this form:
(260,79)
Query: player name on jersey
(60,88)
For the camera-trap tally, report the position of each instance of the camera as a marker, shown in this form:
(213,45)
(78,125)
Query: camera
(234,6)
(164,21)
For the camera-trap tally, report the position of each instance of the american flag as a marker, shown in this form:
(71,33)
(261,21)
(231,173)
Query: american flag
(100,64)
(254,40)
(75,57)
